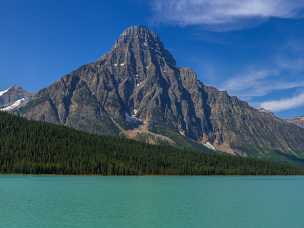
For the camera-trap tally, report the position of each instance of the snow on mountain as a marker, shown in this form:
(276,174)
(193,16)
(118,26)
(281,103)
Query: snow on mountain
(4,91)
(12,97)
(132,119)
(13,106)
(209,145)
(169,103)
(299,121)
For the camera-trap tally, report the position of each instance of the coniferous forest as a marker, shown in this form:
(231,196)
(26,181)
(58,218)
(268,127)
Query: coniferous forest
(30,147)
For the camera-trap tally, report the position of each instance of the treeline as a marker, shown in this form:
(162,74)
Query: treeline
(39,148)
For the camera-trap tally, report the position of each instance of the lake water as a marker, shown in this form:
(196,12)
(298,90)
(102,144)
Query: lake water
(144,202)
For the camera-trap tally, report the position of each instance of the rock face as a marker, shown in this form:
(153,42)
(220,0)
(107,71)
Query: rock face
(299,121)
(13,97)
(137,88)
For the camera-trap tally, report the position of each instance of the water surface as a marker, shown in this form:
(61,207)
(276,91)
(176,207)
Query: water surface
(144,202)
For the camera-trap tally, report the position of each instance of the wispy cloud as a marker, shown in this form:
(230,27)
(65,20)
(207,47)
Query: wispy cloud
(285,72)
(225,14)
(249,84)
(284,104)
(256,83)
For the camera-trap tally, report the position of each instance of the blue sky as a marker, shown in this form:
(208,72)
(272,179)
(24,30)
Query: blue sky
(252,48)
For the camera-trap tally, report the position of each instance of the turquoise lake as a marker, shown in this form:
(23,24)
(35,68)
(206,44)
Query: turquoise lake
(144,202)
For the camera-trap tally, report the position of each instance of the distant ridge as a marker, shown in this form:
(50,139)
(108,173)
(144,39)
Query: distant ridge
(299,121)
(13,97)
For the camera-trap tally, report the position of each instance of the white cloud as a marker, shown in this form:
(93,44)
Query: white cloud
(227,14)
(283,73)
(248,84)
(284,104)
(256,83)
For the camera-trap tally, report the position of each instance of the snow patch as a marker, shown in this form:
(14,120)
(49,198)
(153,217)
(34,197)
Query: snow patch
(13,106)
(132,119)
(264,110)
(122,64)
(135,111)
(139,83)
(4,92)
(182,132)
(210,146)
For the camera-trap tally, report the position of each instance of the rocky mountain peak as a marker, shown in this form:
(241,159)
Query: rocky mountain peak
(14,90)
(140,48)
(17,88)
(140,32)
(137,90)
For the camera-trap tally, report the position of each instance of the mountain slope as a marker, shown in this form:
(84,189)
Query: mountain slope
(137,90)
(299,121)
(13,97)
(41,148)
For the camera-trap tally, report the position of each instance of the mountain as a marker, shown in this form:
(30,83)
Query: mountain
(137,90)
(41,148)
(299,121)
(13,97)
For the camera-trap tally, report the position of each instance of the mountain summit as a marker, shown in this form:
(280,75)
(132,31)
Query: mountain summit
(137,90)
(143,45)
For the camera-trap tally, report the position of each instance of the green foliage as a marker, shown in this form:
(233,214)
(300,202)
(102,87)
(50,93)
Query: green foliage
(181,141)
(39,148)
(290,157)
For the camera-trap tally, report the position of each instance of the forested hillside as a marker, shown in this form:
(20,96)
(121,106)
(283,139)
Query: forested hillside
(39,148)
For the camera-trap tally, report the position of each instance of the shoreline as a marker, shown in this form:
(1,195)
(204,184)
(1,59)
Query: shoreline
(91,175)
